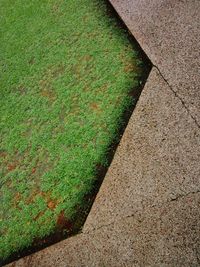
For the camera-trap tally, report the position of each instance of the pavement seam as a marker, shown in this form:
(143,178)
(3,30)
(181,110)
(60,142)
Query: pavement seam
(182,196)
(147,207)
(176,95)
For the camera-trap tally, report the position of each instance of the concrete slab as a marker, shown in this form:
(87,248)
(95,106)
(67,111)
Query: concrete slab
(169,33)
(157,159)
(158,236)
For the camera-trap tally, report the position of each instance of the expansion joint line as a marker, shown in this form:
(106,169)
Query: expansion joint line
(176,95)
(177,198)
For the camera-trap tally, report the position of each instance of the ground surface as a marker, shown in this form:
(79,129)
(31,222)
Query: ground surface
(67,70)
(147,210)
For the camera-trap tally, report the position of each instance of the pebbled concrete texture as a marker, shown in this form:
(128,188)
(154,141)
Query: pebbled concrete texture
(147,212)
(169,33)
(156,236)
(157,159)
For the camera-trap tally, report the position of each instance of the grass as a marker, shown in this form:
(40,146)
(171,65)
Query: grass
(66,72)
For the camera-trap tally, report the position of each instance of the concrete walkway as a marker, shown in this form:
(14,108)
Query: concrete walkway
(147,212)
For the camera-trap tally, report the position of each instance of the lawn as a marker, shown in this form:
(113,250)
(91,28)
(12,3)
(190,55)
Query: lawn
(66,72)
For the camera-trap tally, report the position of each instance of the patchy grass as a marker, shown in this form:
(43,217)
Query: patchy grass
(66,73)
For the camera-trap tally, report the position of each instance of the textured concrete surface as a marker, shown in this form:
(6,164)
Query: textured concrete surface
(156,236)
(157,160)
(147,212)
(169,32)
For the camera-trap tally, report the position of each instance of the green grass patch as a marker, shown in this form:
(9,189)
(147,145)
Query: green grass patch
(66,72)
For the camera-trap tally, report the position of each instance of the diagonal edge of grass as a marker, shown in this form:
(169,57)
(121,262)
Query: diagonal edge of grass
(74,226)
